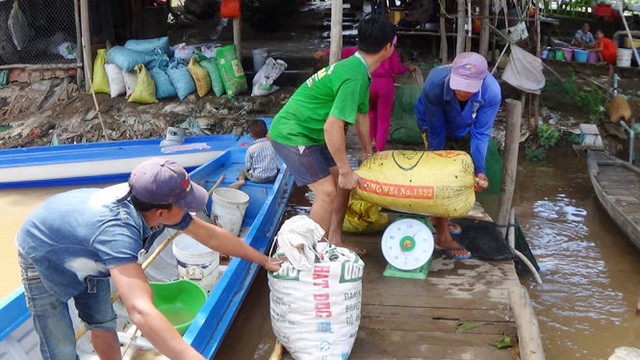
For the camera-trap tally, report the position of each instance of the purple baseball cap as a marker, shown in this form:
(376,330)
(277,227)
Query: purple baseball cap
(468,72)
(160,181)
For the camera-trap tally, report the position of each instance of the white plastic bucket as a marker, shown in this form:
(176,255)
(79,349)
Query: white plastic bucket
(196,262)
(228,207)
(623,57)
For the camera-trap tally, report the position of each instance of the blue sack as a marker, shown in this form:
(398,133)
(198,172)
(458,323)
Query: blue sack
(149,45)
(164,85)
(126,59)
(181,78)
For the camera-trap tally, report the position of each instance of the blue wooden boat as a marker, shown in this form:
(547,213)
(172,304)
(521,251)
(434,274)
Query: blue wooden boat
(267,203)
(100,162)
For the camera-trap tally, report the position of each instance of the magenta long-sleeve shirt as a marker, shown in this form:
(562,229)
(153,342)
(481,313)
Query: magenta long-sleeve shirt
(388,68)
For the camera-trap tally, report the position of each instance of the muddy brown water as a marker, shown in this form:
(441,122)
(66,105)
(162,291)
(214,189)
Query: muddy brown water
(591,271)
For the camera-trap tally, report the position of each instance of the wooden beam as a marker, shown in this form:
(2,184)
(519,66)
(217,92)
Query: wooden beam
(79,52)
(86,42)
(336,32)
(460,42)
(237,38)
(484,33)
(444,47)
(527,324)
(511,143)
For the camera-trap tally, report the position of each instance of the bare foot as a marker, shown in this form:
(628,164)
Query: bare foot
(237,184)
(445,243)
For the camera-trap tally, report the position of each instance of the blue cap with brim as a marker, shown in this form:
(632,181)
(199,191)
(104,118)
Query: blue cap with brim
(161,181)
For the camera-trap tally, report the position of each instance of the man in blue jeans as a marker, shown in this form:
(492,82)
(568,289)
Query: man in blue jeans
(75,241)
(456,111)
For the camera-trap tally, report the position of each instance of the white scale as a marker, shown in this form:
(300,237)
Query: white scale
(407,245)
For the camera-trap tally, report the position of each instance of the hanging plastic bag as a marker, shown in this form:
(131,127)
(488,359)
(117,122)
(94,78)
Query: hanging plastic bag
(145,90)
(100,80)
(263,81)
(18,27)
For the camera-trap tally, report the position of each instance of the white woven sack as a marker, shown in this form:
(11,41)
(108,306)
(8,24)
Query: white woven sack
(316,313)
(130,79)
(116,81)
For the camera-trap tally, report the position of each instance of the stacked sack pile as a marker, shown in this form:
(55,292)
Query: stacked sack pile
(147,70)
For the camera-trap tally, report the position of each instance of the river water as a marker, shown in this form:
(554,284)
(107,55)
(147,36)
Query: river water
(586,305)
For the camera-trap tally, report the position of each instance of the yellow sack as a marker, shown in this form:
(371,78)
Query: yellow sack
(144,92)
(363,217)
(200,77)
(438,183)
(100,81)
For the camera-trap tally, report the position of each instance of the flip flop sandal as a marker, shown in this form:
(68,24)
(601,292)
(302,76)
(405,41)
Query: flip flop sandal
(454,229)
(449,252)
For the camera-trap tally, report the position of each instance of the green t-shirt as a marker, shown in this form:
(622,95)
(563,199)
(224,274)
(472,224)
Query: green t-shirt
(340,90)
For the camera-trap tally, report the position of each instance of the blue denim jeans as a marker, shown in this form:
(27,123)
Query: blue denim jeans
(51,316)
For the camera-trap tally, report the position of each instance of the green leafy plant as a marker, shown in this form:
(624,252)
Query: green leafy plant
(592,102)
(546,137)
(563,88)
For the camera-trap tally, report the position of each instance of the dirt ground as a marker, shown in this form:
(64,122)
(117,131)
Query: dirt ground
(36,114)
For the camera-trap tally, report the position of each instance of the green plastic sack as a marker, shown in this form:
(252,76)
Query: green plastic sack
(200,76)
(211,65)
(144,92)
(404,126)
(100,80)
(231,71)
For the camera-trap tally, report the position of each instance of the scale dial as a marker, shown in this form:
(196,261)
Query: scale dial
(407,244)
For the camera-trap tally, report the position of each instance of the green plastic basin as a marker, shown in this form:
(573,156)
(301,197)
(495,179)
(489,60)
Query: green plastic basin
(179,301)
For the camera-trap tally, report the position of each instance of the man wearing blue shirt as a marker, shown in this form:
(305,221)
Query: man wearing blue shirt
(456,111)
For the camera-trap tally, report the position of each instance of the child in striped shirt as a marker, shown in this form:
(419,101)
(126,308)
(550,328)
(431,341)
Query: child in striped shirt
(260,162)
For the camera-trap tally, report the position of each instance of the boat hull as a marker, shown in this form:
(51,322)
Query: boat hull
(100,162)
(617,186)
(267,203)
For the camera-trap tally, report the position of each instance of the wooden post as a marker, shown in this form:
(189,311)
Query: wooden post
(86,41)
(237,38)
(484,33)
(336,32)
(527,324)
(511,144)
(79,51)
(444,47)
(460,25)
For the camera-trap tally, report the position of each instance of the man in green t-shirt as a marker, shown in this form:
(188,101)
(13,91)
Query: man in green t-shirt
(308,132)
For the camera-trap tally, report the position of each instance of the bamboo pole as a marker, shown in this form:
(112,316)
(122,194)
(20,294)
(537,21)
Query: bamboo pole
(460,40)
(336,32)
(484,33)
(237,38)
(444,46)
(79,57)
(528,330)
(512,142)
(86,40)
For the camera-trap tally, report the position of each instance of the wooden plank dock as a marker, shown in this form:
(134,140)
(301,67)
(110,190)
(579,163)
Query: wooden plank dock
(458,312)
